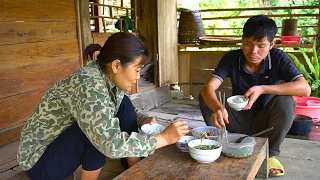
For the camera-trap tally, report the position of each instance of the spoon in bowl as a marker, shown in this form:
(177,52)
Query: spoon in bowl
(257,134)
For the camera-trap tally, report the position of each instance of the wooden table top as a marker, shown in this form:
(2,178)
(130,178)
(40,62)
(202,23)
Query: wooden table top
(170,163)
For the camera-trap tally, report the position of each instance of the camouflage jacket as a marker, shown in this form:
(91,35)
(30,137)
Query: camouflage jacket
(85,97)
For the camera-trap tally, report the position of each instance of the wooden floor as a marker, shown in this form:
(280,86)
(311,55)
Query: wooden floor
(172,110)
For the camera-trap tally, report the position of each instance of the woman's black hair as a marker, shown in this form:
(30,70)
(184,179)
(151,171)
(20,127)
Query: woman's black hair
(259,27)
(123,46)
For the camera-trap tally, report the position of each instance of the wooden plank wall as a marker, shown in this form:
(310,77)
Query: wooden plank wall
(196,67)
(167,42)
(38,46)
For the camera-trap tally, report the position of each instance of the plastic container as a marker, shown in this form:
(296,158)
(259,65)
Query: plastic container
(204,156)
(207,129)
(303,109)
(313,103)
(290,39)
(301,125)
(237,150)
(182,144)
(237,102)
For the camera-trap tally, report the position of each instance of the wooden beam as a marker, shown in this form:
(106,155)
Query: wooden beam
(185,71)
(239,36)
(183,46)
(167,42)
(232,28)
(269,15)
(117,7)
(146,16)
(96,12)
(264,8)
(83,20)
(107,17)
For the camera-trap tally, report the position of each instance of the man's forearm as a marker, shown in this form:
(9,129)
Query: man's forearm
(296,88)
(210,98)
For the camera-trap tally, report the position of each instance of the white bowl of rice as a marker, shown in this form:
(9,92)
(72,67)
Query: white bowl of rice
(152,129)
(237,102)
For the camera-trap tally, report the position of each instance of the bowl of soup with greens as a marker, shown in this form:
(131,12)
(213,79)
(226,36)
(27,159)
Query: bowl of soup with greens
(204,150)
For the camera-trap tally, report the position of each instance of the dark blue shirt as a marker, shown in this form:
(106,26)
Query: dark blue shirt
(275,67)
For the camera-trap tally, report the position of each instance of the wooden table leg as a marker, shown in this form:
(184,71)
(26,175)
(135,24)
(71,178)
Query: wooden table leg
(263,172)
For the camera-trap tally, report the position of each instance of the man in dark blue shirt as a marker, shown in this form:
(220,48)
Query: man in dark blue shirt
(256,71)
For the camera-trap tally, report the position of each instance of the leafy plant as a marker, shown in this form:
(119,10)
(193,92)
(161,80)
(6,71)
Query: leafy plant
(312,77)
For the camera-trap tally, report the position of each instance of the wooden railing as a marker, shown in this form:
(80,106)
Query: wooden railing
(268,11)
(101,19)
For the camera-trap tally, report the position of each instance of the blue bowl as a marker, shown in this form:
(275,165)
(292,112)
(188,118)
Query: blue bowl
(301,125)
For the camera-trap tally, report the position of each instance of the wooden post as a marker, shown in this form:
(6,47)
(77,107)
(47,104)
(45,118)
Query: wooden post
(95,12)
(121,20)
(79,32)
(136,16)
(83,26)
(167,42)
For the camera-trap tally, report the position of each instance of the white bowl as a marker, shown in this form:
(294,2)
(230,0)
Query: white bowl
(237,102)
(204,156)
(215,131)
(182,144)
(152,129)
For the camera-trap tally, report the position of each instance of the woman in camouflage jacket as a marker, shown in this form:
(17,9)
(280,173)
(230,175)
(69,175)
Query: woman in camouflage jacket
(87,116)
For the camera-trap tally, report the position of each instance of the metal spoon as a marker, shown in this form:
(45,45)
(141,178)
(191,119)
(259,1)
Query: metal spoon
(257,134)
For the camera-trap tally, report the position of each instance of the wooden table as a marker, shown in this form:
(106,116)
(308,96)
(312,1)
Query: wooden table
(170,163)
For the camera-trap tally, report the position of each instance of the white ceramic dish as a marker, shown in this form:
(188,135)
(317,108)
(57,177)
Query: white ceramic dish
(237,102)
(205,129)
(152,128)
(182,144)
(204,156)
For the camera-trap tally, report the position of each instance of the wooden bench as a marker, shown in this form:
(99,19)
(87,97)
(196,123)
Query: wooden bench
(170,163)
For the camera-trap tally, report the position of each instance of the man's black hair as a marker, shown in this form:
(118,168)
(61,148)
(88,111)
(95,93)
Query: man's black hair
(260,26)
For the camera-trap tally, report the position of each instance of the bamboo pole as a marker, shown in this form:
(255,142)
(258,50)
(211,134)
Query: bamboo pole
(271,15)
(107,17)
(118,7)
(241,35)
(242,28)
(136,17)
(318,33)
(264,8)
(102,19)
(184,46)
(121,20)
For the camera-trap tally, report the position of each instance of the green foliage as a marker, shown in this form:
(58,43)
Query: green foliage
(312,77)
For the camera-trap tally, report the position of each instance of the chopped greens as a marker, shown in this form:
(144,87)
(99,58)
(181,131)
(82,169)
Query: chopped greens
(206,147)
